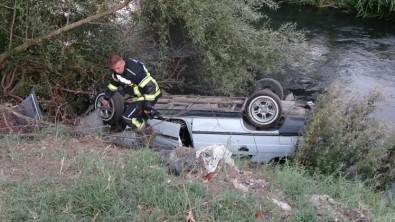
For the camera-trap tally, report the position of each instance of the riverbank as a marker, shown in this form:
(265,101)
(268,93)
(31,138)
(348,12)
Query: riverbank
(361,8)
(60,178)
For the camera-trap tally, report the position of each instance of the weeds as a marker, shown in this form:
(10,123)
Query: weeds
(132,187)
(7,142)
(299,185)
(343,139)
(58,130)
(363,8)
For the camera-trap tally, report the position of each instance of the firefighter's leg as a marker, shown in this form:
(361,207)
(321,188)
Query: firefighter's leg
(133,115)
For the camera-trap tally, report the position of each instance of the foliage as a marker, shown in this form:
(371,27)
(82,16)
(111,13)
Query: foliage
(229,42)
(369,8)
(342,138)
(69,62)
(363,8)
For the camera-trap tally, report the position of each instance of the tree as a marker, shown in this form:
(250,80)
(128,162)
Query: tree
(48,49)
(230,42)
(38,40)
(53,47)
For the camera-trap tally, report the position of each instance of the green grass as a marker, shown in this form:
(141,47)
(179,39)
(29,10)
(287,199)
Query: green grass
(113,190)
(134,186)
(7,142)
(298,184)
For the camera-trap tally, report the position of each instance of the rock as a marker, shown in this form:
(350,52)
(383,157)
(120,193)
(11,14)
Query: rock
(180,160)
(290,97)
(127,138)
(239,186)
(92,123)
(283,205)
(324,205)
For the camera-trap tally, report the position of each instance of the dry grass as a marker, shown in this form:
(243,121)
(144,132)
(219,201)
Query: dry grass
(69,179)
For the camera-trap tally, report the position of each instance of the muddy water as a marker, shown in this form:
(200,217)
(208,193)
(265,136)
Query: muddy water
(359,52)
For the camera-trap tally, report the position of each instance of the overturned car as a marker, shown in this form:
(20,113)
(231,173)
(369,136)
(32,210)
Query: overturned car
(263,126)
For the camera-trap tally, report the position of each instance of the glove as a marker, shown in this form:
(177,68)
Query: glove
(105,103)
(148,113)
(147,109)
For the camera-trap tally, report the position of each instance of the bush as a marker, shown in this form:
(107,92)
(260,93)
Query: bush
(229,39)
(362,8)
(342,138)
(60,68)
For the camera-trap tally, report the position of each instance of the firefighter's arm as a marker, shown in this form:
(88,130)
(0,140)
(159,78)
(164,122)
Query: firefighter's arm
(111,88)
(149,95)
(150,89)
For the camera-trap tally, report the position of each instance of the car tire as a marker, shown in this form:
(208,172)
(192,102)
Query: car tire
(263,109)
(271,84)
(113,114)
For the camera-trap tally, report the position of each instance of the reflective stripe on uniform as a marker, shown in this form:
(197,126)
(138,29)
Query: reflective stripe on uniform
(131,71)
(112,87)
(136,90)
(124,80)
(156,85)
(131,113)
(152,97)
(138,99)
(126,118)
(146,71)
(138,124)
(114,77)
(145,81)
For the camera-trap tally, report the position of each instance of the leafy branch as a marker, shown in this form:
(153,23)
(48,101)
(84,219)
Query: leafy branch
(39,40)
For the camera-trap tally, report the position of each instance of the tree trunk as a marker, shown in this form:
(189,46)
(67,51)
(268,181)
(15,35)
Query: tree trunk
(39,40)
(12,25)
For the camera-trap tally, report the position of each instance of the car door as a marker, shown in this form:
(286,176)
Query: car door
(225,131)
(270,147)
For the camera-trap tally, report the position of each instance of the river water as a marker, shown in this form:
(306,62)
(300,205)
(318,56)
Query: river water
(359,52)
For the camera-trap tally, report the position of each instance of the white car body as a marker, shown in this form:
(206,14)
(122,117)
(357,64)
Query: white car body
(201,128)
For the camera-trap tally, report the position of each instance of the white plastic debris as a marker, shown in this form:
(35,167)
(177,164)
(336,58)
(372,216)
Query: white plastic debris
(283,205)
(310,104)
(211,156)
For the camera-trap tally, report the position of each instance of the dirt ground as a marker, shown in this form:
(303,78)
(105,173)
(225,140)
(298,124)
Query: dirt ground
(51,157)
(48,157)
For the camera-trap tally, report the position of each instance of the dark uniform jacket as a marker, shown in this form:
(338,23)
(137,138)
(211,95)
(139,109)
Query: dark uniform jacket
(143,86)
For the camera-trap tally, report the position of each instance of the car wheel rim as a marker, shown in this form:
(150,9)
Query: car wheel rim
(105,112)
(264,110)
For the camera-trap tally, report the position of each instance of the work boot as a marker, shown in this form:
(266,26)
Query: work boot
(144,134)
(139,125)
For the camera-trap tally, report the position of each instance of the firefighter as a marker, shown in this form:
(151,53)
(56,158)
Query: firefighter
(144,89)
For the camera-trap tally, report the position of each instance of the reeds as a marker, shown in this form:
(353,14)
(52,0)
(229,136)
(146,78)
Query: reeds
(383,9)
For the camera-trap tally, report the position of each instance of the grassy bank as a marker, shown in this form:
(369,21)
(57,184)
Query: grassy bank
(384,9)
(68,179)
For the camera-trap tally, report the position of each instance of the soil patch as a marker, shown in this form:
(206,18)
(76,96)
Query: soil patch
(49,157)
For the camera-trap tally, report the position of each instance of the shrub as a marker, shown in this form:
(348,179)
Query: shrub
(342,138)
(229,39)
(58,69)
(362,8)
